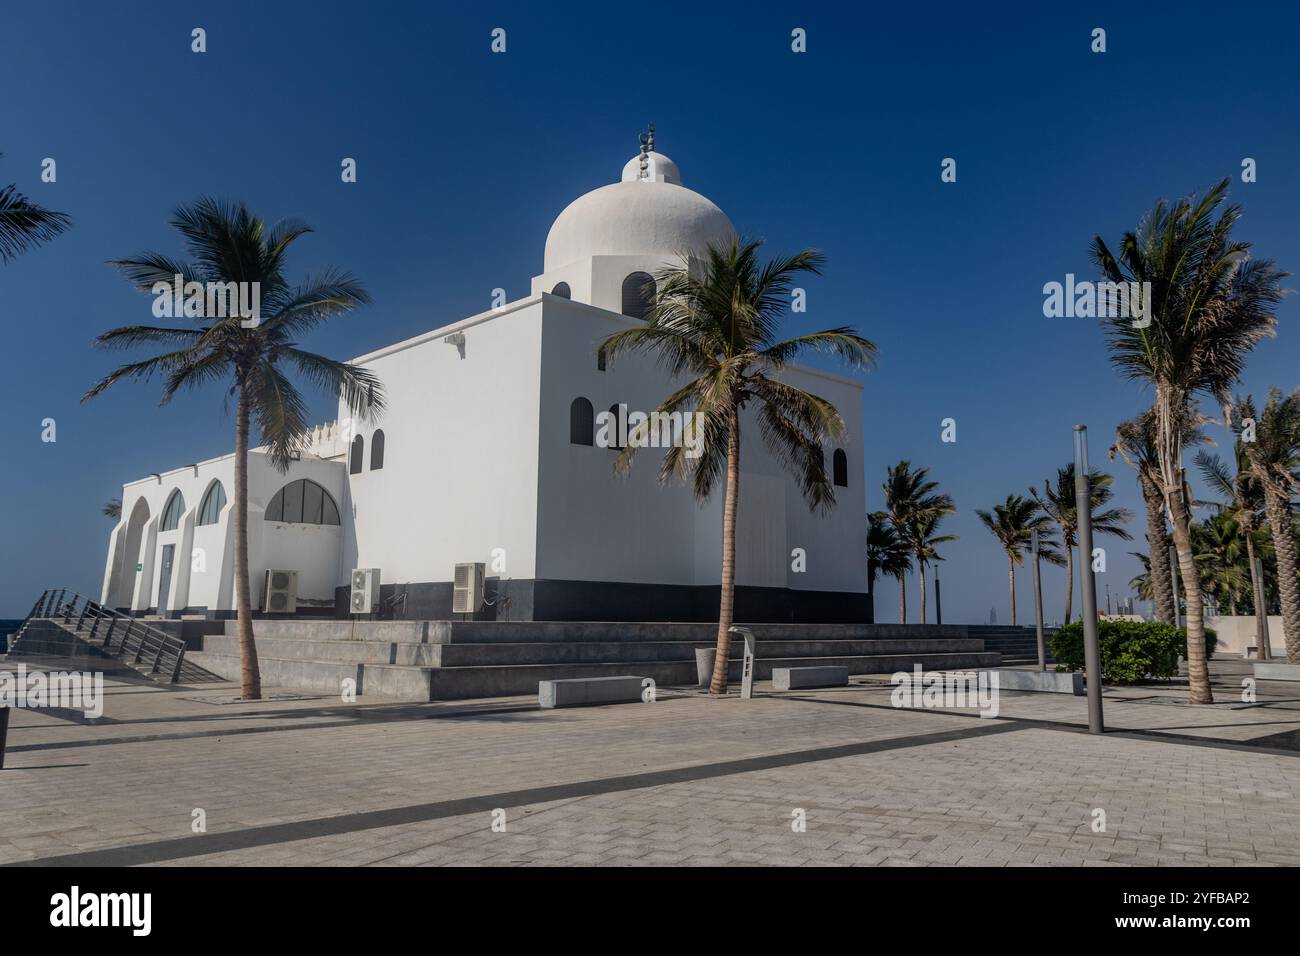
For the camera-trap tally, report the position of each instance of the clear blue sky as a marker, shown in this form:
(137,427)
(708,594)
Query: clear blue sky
(466,157)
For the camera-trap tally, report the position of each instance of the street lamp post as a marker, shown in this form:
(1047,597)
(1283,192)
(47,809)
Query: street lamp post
(1038,607)
(938,599)
(1088,580)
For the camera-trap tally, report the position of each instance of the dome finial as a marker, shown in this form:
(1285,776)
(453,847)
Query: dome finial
(647,147)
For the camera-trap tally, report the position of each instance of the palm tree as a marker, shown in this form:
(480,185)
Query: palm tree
(924,542)
(113,508)
(1059,502)
(1141,583)
(715,321)
(1274,458)
(1136,442)
(24,224)
(1221,560)
(228,243)
(1244,503)
(909,496)
(1209,304)
(886,554)
(1013,523)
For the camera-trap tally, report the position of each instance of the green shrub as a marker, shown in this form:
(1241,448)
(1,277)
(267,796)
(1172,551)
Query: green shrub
(1130,650)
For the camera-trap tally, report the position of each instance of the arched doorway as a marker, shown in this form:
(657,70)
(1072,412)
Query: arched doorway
(121,587)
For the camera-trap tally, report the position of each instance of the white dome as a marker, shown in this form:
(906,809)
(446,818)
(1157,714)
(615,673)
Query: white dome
(653,216)
(659,168)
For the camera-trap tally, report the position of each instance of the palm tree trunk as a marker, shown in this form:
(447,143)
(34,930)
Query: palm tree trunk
(921,580)
(722,661)
(1198,668)
(250,679)
(1278,509)
(871,591)
(1069,582)
(1011,565)
(1263,652)
(1162,587)
(902,599)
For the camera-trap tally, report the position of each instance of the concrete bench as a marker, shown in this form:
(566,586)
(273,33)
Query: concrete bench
(1045,681)
(1268,670)
(584,691)
(799,678)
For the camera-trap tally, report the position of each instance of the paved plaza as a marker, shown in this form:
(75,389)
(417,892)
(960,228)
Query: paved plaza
(828,777)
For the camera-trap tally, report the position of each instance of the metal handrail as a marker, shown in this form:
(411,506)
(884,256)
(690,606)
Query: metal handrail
(135,638)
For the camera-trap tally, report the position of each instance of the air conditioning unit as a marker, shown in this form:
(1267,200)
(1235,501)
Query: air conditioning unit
(467,588)
(365,591)
(280,596)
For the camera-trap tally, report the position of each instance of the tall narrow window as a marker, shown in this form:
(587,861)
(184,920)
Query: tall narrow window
(582,422)
(171,516)
(840,468)
(214,499)
(638,294)
(615,426)
(562,290)
(377,450)
(357,457)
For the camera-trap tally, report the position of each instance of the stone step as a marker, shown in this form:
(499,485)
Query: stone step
(456,683)
(520,632)
(405,654)
(394,681)
(463,655)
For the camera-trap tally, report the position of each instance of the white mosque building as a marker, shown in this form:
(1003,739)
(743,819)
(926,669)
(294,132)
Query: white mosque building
(487,454)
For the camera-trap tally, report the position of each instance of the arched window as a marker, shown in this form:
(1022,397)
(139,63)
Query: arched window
(616,418)
(214,499)
(638,294)
(840,468)
(303,502)
(377,450)
(582,422)
(562,290)
(171,516)
(357,458)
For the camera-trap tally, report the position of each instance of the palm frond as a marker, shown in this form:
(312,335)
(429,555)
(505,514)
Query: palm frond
(25,225)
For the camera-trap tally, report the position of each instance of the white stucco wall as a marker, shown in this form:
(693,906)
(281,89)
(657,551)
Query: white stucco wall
(477,458)
(460,465)
(202,570)
(1236,635)
(593,525)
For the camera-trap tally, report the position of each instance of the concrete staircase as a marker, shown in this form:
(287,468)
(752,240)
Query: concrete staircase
(446,660)
(1017,645)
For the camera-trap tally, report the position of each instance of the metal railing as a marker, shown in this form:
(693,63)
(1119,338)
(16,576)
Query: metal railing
(130,640)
